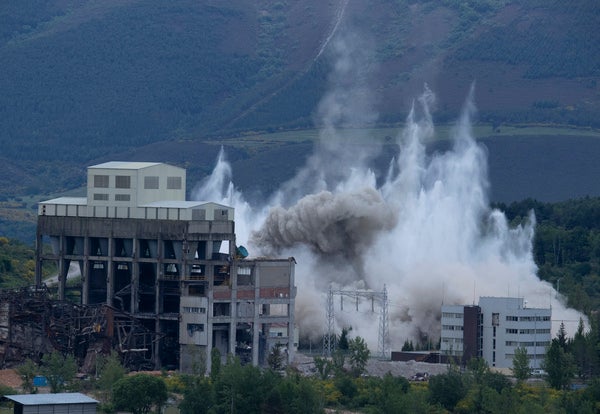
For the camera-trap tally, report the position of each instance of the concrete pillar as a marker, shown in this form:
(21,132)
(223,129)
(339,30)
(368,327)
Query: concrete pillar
(291,314)
(85,272)
(256,322)
(38,259)
(110,273)
(135,274)
(159,275)
(233,306)
(62,271)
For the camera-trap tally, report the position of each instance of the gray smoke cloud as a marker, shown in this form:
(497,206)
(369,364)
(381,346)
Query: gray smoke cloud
(425,230)
(336,227)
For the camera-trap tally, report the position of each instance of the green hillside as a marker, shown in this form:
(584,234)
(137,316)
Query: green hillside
(86,81)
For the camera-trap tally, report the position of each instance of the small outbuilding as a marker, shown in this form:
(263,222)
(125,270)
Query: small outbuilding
(63,403)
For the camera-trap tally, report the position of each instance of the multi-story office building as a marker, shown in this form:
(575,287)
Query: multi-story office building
(494,329)
(141,247)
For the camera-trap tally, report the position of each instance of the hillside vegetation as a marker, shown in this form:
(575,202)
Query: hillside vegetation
(85,81)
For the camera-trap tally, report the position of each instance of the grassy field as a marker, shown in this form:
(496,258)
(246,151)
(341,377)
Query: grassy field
(441,132)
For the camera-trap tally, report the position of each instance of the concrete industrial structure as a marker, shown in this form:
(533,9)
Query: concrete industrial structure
(494,329)
(172,264)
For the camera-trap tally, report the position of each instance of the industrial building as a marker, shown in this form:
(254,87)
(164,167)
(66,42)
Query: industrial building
(70,403)
(173,264)
(493,329)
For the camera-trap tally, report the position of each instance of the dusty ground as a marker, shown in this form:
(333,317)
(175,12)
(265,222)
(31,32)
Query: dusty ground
(10,378)
(379,368)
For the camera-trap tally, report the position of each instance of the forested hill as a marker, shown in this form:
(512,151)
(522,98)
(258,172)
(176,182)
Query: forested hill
(566,246)
(86,80)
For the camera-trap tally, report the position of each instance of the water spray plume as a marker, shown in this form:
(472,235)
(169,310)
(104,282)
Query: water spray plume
(426,232)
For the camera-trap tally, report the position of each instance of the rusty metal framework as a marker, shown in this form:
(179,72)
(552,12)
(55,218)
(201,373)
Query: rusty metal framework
(33,324)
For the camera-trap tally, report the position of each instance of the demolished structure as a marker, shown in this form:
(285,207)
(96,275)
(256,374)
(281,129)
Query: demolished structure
(171,265)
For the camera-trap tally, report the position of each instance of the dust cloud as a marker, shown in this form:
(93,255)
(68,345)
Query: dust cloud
(424,230)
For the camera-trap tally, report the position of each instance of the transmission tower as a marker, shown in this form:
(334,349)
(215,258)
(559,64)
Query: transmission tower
(329,338)
(384,325)
(383,343)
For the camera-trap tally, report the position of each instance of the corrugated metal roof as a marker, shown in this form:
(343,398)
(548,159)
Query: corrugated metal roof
(49,399)
(181,204)
(67,200)
(125,165)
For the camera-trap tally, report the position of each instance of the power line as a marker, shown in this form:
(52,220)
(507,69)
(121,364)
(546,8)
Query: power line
(383,343)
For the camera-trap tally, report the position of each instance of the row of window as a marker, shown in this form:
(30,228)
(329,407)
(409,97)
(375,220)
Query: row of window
(452,315)
(528,344)
(452,328)
(527,331)
(124,181)
(118,197)
(453,340)
(193,309)
(528,318)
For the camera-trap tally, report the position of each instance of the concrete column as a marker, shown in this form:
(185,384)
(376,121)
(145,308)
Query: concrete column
(38,259)
(85,272)
(256,322)
(159,275)
(110,273)
(210,279)
(291,314)
(61,268)
(135,275)
(157,345)
(233,306)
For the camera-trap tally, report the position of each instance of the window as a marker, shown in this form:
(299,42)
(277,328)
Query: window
(123,181)
(512,318)
(511,331)
(452,328)
(192,328)
(100,197)
(151,183)
(193,309)
(101,181)
(173,183)
(122,197)
(198,214)
(495,319)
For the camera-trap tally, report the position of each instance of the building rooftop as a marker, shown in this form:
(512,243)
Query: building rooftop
(48,399)
(125,165)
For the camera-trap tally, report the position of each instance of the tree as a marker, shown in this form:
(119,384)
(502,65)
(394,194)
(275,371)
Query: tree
(521,369)
(239,389)
(343,343)
(110,372)
(447,389)
(323,366)
(359,355)
(58,370)
(559,366)
(28,371)
(139,393)
(581,351)
(275,358)
(215,363)
(198,398)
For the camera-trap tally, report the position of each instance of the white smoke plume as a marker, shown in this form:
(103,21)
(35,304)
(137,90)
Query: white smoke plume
(426,231)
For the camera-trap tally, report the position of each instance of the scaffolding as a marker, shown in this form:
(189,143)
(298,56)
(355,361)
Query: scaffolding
(381,298)
(33,324)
